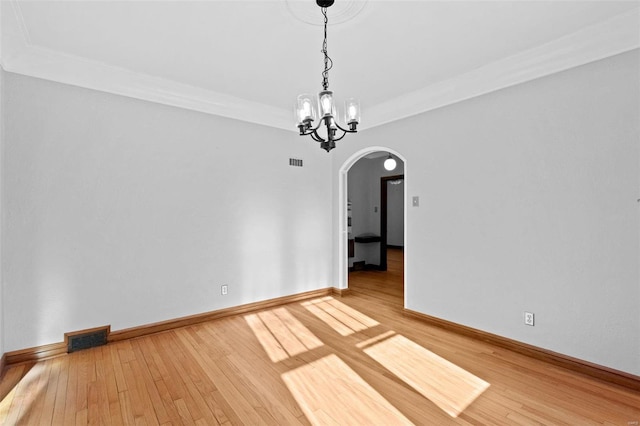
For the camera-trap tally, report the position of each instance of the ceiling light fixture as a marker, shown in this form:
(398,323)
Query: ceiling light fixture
(306,111)
(390,163)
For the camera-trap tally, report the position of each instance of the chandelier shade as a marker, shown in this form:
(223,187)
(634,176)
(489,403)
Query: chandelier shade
(309,120)
(305,110)
(352,112)
(325,103)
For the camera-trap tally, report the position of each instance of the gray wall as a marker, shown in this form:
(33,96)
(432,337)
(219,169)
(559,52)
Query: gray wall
(528,203)
(121,212)
(1,209)
(124,212)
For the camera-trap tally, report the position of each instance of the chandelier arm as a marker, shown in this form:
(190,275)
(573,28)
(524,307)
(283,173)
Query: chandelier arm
(313,130)
(344,133)
(310,130)
(307,133)
(344,130)
(316,137)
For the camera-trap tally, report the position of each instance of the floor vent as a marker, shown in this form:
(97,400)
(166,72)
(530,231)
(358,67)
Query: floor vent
(85,339)
(295,162)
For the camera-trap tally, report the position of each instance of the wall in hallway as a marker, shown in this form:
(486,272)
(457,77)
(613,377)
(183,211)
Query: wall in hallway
(364,194)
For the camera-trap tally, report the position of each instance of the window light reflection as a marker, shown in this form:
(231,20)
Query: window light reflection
(326,390)
(281,334)
(342,318)
(25,392)
(375,339)
(445,384)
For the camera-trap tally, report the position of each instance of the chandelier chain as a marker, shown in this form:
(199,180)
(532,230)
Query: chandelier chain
(328,63)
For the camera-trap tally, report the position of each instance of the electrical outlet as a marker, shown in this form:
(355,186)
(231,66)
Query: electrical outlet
(224,290)
(529,318)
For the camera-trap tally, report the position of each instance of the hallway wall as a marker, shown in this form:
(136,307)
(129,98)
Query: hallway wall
(364,193)
(395,214)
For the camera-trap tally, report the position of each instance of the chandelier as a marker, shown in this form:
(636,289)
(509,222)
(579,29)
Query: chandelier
(306,113)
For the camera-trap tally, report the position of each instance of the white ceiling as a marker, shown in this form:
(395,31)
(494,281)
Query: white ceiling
(250,59)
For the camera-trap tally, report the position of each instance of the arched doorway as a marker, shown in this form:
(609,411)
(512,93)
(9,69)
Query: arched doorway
(343,237)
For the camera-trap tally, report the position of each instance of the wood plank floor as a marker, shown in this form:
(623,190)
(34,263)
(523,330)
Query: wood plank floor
(350,360)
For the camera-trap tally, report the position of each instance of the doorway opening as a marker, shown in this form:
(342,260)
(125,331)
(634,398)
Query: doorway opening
(372,249)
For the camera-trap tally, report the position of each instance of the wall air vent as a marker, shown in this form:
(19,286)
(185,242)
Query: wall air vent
(295,162)
(86,339)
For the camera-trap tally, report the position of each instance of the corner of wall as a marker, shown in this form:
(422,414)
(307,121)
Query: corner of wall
(1,217)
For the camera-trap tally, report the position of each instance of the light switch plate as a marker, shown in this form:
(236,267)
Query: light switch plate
(416,201)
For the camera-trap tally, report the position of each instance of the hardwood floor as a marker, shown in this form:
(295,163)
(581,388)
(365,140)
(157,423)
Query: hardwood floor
(329,360)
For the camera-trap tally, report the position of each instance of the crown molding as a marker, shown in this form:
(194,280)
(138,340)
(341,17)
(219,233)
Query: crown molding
(55,66)
(14,37)
(18,55)
(611,37)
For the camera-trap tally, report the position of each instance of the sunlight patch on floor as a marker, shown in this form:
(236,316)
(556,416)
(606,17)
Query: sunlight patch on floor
(326,390)
(375,339)
(6,402)
(342,318)
(281,334)
(450,387)
(32,386)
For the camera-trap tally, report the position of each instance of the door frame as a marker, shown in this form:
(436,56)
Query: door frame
(341,242)
(383,218)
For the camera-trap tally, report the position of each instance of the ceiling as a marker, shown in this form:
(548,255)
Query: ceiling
(249,60)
